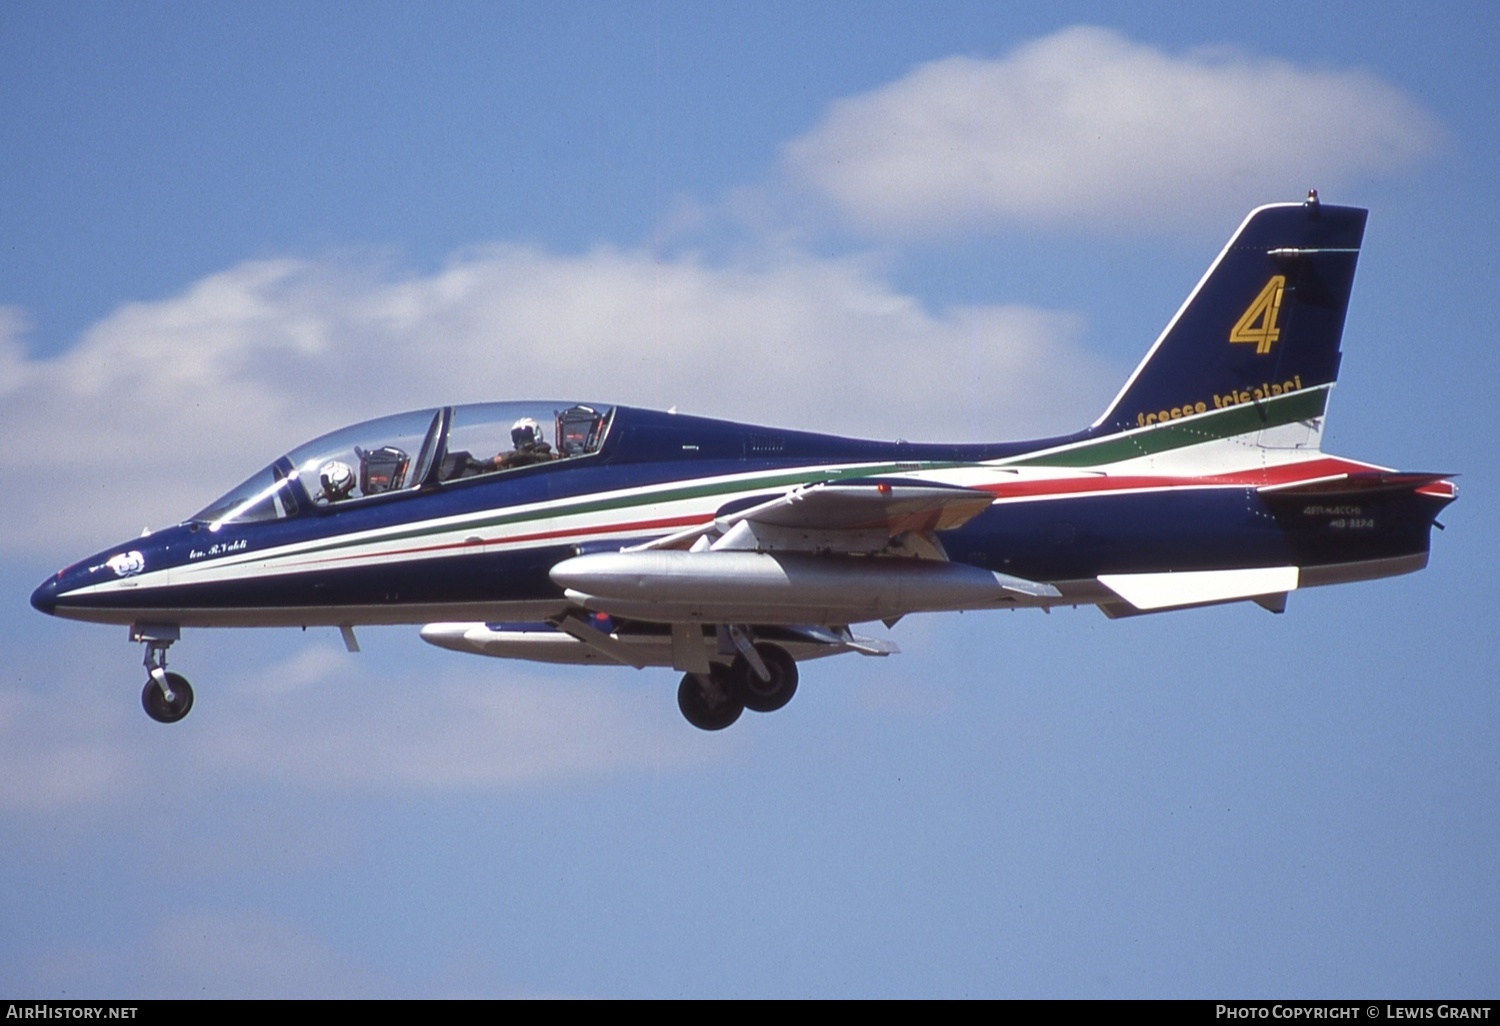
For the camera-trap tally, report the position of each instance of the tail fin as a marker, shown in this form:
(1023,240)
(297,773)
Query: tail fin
(1262,327)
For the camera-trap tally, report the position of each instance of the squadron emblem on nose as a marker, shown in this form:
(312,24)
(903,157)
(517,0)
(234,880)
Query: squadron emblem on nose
(126,564)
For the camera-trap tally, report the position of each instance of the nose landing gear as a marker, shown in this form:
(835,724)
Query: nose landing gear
(167,697)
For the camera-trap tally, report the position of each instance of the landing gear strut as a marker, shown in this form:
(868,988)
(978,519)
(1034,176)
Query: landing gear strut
(167,697)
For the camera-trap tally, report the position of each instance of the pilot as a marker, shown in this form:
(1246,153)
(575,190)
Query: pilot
(337,479)
(530,446)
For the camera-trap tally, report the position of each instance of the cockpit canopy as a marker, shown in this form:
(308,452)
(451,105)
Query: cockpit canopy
(409,450)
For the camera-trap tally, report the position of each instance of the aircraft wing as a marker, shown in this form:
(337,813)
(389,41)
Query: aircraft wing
(803,557)
(851,517)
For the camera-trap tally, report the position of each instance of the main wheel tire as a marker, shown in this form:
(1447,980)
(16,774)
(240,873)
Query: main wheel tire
(158,708)
(765,695)
(709,702)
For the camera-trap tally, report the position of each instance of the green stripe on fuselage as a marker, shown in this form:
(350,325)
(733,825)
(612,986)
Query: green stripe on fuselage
(1240,419)
(1219,424)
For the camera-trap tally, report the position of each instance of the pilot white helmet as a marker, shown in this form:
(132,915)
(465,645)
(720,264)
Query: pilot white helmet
(525,431)
(337,478)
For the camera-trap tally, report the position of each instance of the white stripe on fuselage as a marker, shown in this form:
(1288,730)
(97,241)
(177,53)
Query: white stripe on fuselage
(548,523)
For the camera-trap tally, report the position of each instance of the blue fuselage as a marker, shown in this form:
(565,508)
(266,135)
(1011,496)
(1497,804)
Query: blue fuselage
(483,546)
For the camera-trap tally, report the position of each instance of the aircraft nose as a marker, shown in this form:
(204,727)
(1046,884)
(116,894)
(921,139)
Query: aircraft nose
(44,599)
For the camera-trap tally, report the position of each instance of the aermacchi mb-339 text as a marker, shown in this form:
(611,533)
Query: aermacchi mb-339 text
(581,532)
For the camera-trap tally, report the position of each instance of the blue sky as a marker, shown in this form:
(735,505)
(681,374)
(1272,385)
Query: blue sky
(228,229)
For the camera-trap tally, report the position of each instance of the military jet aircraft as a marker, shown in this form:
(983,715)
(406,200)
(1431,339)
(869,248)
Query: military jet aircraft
(581,532)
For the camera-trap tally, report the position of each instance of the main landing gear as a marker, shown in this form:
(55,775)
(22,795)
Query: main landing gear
(708,701)
(762,678)
(167,697)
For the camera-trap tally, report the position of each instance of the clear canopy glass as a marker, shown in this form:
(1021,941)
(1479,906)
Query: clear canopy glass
(408,450)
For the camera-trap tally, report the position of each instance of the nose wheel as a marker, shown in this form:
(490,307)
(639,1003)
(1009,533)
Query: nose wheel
(167,701)
(167,697)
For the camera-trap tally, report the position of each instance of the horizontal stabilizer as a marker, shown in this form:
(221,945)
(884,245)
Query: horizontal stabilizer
(1148,592)
(1371,482)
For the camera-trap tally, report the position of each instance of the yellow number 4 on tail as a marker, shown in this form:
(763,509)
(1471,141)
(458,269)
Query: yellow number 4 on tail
(1258,323)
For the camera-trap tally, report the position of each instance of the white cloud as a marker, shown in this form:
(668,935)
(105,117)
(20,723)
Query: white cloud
(399,718)
(1086,125)
(163,405)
